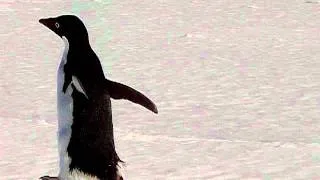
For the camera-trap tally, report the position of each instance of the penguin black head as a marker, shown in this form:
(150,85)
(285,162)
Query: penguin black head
(69,26)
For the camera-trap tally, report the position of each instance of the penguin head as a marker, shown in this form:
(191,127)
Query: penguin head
(69,26)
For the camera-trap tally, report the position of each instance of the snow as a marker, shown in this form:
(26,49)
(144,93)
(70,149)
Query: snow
(236,84)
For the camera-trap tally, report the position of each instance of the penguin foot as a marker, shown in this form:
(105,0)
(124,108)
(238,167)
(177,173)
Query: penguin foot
(48,178)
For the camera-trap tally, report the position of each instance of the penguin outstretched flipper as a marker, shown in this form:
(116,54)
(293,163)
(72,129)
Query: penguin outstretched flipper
(121,91)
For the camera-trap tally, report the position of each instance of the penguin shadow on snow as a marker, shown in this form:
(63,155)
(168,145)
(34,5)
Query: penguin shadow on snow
(85,129)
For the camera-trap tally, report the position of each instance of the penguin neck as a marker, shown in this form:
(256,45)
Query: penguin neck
(80,43)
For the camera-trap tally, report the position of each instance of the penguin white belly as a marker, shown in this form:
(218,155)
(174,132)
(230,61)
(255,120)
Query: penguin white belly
(65,118)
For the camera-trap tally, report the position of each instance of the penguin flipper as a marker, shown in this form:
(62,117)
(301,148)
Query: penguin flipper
(66,84)
(121,91)
(67,78)
(78,85)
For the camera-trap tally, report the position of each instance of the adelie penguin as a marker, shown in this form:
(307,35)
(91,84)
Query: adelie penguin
(85,130)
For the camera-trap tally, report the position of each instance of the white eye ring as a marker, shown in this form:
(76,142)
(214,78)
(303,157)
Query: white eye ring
(57,25)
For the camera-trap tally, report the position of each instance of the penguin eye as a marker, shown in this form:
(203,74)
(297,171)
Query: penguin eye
(57,25)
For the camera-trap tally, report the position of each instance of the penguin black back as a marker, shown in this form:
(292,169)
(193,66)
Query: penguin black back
(91,146)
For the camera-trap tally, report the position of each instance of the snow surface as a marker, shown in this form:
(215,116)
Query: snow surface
(236,84)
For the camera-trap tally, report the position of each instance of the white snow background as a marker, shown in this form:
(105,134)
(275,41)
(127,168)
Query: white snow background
(237,85)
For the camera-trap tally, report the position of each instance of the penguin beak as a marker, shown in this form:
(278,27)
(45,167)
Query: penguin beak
(50,23)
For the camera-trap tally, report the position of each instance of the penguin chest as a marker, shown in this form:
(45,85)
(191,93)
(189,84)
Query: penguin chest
(65,111)
(66,108)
